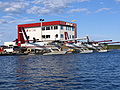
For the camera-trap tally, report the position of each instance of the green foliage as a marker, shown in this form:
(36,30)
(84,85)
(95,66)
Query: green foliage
(113,46)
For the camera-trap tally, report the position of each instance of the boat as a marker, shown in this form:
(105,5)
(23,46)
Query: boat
(55,52)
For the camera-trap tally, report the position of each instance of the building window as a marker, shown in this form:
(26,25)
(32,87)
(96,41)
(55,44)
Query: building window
(62,36)
(61,27)
(66,28)
(43,28)
(51,27)
(43,36)
(70,28)
(47,36)
(73,28)
(47,28)
(55,27)
(56,36)
(72,36)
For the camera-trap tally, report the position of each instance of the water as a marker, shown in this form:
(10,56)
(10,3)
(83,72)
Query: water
(96,71)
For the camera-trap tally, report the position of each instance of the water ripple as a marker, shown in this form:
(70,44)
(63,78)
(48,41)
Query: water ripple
(96,71)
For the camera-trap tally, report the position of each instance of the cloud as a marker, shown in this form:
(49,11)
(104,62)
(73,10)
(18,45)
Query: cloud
(2,21)
(37,6)
(79,10)
(48,6)
(3,4)
(51,6)
(22,20)
(28,20)
(83,0)
(13,7)
(118,0)
(57,1)
(38,10)
(6,21)
(16,7)
(102,9)
(1,33)
(9,17)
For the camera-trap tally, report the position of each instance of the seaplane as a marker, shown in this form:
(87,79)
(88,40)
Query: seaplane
(88,46)
(98,46)
(79,45)
(38,46)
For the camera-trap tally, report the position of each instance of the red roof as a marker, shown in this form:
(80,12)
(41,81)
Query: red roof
(46,24)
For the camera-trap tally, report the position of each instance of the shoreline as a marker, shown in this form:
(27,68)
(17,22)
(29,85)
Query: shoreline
(113,47)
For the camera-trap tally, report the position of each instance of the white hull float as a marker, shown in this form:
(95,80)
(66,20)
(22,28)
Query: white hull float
(102,50)
(87,51)
(55,53)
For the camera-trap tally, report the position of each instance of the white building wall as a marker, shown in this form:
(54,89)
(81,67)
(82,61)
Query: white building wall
(35,32)
(70,32)
(52,34)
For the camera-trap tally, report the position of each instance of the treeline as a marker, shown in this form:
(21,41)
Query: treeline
(113,46)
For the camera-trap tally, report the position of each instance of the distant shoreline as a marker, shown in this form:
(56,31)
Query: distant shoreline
(113,46)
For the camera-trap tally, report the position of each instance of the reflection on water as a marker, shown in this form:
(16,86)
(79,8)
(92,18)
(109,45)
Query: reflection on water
(96,71)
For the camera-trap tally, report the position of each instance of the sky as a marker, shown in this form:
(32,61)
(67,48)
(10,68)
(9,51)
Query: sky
(98,19)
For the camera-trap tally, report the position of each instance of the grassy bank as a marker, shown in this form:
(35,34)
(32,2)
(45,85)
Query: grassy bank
(113,46)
